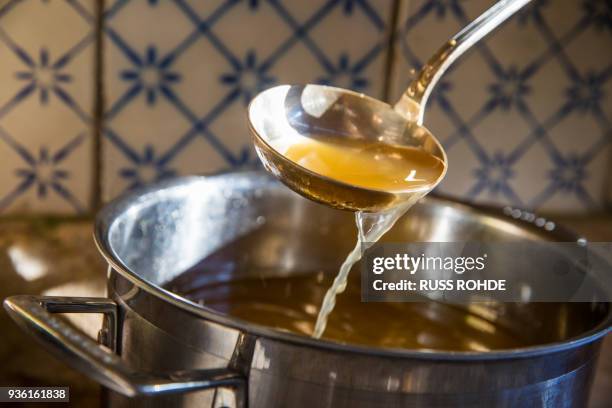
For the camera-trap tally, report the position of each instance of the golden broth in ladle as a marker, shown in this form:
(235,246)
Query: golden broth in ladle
(368,164)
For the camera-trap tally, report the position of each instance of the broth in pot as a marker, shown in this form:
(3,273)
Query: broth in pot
(291,303)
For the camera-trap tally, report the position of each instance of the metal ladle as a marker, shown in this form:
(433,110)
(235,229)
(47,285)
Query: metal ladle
(287,114)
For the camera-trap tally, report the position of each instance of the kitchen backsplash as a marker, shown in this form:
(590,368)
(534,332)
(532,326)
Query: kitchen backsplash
(47,97)
(178,75)
(526,117)
(159,88)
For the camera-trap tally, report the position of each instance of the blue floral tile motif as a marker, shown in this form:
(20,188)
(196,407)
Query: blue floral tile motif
(45,173)
(494,176)
(150,76)
(146,169)
(511,89)
(569,176)
(586,93)
(249,77)
(46,106)
(528,112)
(187,82)
(43,77)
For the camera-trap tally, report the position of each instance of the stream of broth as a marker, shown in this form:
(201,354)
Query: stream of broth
(370,227)
(396,169)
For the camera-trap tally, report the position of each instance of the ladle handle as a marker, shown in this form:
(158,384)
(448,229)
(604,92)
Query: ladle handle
(34,314)
(413,101)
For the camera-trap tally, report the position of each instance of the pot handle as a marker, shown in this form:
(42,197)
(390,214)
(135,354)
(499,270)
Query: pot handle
(34,314)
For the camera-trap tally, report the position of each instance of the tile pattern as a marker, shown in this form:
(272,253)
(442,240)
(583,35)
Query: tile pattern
(179,74)
(47,53)
(525,117)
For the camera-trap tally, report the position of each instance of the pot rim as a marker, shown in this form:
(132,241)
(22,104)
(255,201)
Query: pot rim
(109,214)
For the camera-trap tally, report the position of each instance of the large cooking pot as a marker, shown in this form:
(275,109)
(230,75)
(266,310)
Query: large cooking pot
(163,350)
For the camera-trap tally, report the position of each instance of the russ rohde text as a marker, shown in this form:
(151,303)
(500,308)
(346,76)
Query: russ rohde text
(441,284)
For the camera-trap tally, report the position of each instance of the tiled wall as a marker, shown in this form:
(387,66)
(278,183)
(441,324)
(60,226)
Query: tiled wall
(525,117)
(179,74)
(47,95)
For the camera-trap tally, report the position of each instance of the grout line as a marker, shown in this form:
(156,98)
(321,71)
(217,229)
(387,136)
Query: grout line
(390,58)
(96,199)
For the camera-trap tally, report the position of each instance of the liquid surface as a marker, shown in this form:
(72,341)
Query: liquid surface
(292,304)
(370,165)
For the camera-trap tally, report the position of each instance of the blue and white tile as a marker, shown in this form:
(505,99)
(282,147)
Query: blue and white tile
(178,75)
(47,51)
(525,117)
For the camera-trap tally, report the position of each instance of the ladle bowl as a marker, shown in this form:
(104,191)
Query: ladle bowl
(288,114)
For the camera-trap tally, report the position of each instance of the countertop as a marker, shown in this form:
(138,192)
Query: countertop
(59,258)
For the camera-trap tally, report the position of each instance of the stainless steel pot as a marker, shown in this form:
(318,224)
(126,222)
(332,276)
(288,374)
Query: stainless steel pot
(163,350)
